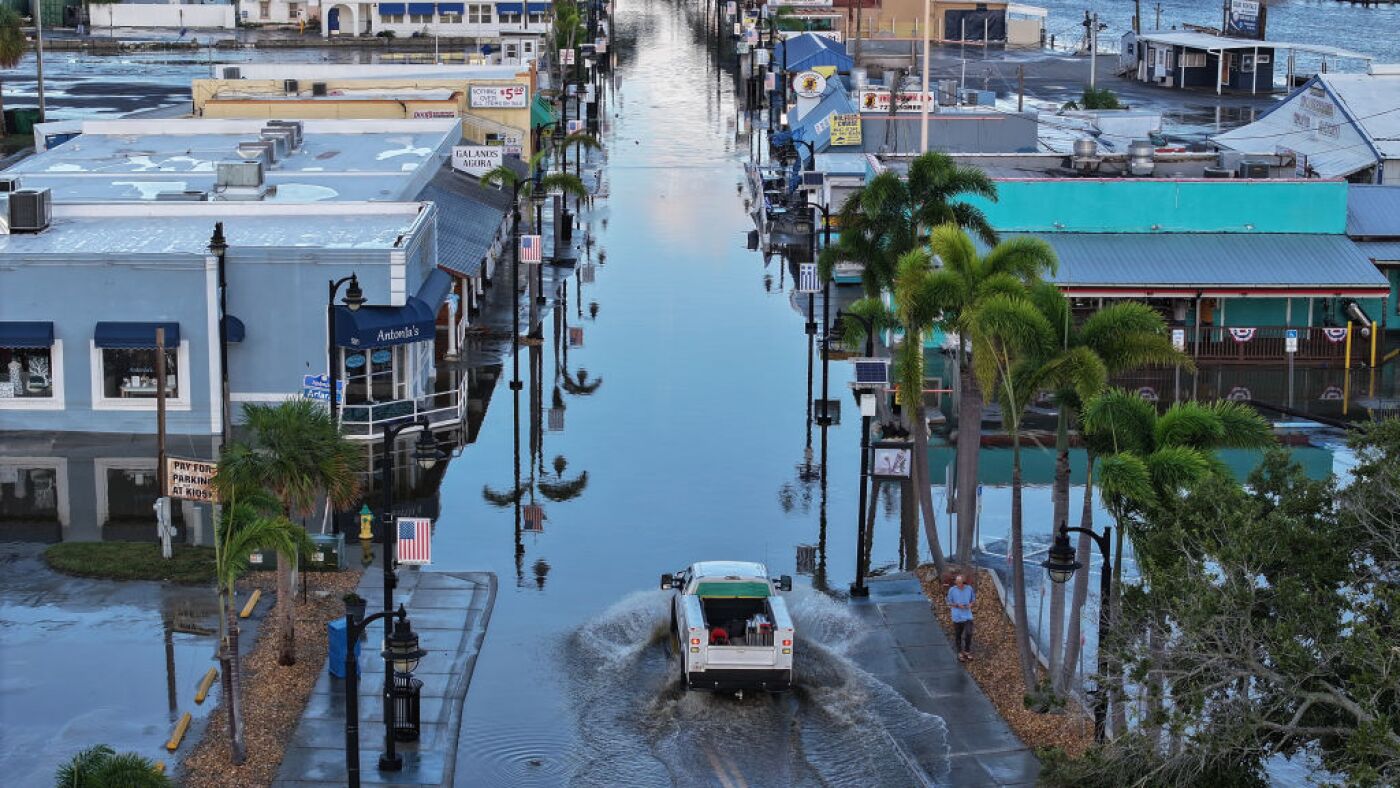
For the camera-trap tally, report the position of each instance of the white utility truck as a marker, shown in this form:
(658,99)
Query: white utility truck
(731,630)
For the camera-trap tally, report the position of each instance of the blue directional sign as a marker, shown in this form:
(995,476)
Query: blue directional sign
(318,387)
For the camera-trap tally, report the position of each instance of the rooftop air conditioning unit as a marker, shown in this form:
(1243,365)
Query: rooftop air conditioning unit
(290,86)
(239,174)
(233,72)
(9,183)
(1219,172)
(282,136)
(189,195)
(258,150)
(297,127)
(280,144)
(30,210)
(318,88)
(1253,168)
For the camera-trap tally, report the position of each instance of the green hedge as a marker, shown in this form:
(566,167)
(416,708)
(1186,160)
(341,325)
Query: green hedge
(131,561)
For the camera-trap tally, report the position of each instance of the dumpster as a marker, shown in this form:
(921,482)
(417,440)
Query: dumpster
(335,651)
(24,120)
(329,555)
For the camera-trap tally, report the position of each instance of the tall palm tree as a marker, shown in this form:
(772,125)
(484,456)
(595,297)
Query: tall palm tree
(506,177)
(249,524)
(1123,336)
(1148,459)
(12,47)
(295,452)
(1014,356)
(965,282)
(103,767)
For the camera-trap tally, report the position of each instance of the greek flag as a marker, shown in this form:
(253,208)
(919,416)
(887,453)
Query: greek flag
(807,278)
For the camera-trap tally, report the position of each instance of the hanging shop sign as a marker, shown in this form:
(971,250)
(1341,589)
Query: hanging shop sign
(500,96)
(809,84)
(892,461)
(878,100)
(477,160)
(190,480)
(845,129)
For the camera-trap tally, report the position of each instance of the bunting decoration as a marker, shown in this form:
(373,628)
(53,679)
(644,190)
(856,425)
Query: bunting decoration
(1335,334)
(1242,334)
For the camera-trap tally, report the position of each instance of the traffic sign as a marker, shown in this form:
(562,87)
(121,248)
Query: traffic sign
(1179,338)
(1290,340)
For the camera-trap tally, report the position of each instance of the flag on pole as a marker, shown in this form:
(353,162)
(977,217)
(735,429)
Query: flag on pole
(531,250)
(807,278)
(534,517)
(556,419)
(415,542)
(575,336)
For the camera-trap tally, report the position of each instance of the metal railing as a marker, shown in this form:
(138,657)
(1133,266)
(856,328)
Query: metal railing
(368,421)
(1267,344)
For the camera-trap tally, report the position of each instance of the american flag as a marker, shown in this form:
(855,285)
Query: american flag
(575,336)
(534,517)
(415,545)
(807,278)
(531,249)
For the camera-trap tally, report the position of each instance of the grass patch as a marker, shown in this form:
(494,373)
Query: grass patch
(131,561)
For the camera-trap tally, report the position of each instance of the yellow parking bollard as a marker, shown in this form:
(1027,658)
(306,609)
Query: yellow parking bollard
(252,603)
(179,732)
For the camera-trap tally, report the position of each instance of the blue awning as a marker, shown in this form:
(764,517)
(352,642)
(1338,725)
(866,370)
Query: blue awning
(426,9)
(510,8)
(452,8)
(539,8)
(390,9)
(26,334)
(135,335)
(382,326)
(233,329)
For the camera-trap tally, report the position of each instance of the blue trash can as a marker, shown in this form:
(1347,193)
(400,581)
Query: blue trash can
(335,652)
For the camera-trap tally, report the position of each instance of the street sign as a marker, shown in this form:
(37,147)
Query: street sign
(1290,340)
(317,387)
(574,127)
(190,480)
(807,278)
(1179,338)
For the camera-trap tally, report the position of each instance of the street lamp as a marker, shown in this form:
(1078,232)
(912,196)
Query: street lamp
(353,300)
(218,246)
(426,455)
(825,418)
(1061,566)
(858,588)
(400,655)
(515,283)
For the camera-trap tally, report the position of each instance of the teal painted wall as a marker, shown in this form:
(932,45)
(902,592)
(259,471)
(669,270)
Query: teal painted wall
(1126,205)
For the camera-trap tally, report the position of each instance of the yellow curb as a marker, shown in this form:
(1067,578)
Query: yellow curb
(179,733)
(204,685)
(252,603)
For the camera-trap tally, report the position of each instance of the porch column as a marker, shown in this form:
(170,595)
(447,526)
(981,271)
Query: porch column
(1254,86)
(1220,65)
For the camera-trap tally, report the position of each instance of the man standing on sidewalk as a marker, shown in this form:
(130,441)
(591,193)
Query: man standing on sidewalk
(960,598)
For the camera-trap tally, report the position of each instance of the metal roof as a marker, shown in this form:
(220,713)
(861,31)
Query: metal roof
(1373,211)
(1193,40)
(1195,261)
(1373,102)
(1382,252)
(468,218)
(808,50)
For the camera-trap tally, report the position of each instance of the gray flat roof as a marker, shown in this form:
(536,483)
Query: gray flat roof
(337,160)
(95,232)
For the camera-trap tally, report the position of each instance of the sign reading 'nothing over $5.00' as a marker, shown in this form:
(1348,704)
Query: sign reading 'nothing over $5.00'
(500,96)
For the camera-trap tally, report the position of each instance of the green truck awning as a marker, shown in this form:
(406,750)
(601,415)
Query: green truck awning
(726,590)
(541,114)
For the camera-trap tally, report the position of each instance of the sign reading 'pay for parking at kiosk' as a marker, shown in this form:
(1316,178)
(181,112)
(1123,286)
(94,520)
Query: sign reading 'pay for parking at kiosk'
(191,480)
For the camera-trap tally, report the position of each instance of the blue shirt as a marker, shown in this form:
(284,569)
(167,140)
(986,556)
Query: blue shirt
(961,596)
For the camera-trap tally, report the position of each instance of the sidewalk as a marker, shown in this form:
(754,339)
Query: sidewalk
(908,650)
(450,613)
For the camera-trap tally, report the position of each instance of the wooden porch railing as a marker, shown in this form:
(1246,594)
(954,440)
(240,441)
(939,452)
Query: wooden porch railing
(1266,344)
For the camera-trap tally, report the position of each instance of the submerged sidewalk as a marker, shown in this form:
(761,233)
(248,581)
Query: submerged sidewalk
(907,649)
(450,612)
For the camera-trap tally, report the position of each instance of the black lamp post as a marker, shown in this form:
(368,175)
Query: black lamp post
(401,655)
(426,454)
(825,418)
(515,284)
(537,199)
(353,300)
(1061,566)
(858,588)
(218,247)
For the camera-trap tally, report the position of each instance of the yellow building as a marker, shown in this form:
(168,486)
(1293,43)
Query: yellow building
(494,102)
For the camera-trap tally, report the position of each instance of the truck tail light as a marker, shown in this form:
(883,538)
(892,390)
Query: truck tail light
(695,641)
(787,642)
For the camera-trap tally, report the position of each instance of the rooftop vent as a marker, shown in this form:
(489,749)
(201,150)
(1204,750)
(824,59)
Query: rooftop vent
(1141,155)
(280,144)
(291,87)
(9,183)
(1086,154)
(1219,172)
(233,72)
(318,88)
(1253,168)
(30,210)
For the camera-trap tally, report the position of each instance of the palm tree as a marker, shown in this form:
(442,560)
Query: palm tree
(966,281)
(1123,336)
(297,454)
(103,767)
(525,186)
(249,524)
(1148,460)
(890,215)
(12,48)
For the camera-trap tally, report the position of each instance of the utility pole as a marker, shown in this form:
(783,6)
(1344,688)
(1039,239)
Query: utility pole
(39,55)
(1020,88)
(1137,16)
(1093,51)
(160,411)
(1159,17)
(924,97)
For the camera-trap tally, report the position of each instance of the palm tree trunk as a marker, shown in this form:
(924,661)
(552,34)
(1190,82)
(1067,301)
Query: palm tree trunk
(1018,569)
(919,467)
(875,486)
(230,664)
(968,449)
(1115,667)
(1081,585)
(286,612)
(1059,518)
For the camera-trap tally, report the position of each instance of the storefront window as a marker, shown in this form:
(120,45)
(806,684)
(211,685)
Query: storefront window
(131,497)
(28,494)
(374,375)
(479,14)
(26,372)
(130,373)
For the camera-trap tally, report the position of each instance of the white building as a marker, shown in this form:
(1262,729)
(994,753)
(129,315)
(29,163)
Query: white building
(498,22)
(1336,126)
(278,12)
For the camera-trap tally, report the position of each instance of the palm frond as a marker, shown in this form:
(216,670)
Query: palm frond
(1242,426)
(954,248)
(1024,257)
(585,140)
(1125,482)
(501,500)
(1078,369)
(1118,421)
(1175,469)
(83,768)
(265,533)
(500,177)
(1190,424)
(565,182)
(564,490)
